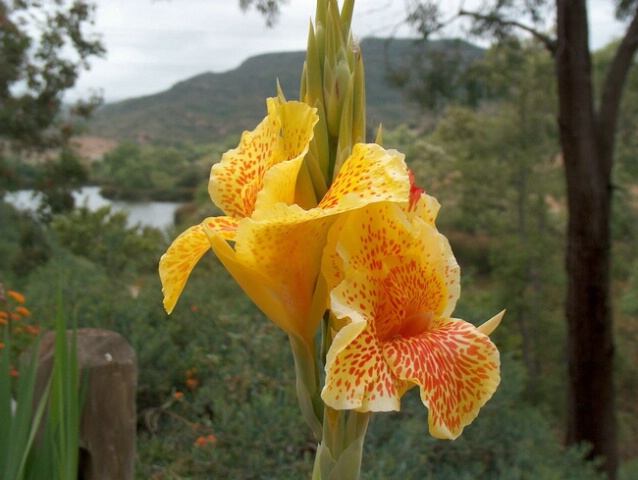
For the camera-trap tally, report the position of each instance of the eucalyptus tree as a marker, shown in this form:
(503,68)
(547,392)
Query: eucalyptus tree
(587,123)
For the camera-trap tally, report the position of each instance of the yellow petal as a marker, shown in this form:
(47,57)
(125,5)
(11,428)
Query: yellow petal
(179,260)
(226,227)
(356,375)
(424,206)
(488,327)
(181,257)
(283,135)
(278,187)
(371,174)
(451,275)
(298,121)
(283,246)
(380,237)
(456,367)
(397,275)
(283,258)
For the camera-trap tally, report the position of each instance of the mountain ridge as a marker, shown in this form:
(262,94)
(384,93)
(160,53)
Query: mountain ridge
(211,106)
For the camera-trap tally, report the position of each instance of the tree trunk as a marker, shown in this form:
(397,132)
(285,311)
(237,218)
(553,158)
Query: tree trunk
(588,160)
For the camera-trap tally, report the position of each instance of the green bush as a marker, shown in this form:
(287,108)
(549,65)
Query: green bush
(510,439)
(54,419)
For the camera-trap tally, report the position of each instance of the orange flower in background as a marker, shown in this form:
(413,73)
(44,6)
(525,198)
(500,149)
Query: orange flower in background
(32,329)
(192,383)
(18,297)
(207,440)
(22,311)
(397,288)
(178,396)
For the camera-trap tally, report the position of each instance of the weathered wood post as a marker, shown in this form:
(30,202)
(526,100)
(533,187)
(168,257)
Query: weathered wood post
(108,423)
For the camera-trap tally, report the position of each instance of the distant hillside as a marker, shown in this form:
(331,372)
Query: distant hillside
(211,106)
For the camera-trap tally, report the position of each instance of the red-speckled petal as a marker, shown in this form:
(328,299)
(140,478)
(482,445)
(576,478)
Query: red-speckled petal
(357,376)
(179,260)
(456,367)
(284,244)
(425,207)
(368,239)
(414,293)
(451,276)
(283,135)
(382,236)
(371,174)
(226,227)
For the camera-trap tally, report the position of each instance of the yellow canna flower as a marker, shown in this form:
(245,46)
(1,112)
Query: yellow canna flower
(270,244)
(398,286)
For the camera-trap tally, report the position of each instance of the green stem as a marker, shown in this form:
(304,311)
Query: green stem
(341,450)
(308,385)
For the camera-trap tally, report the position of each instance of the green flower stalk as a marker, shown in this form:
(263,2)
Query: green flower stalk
(333,82)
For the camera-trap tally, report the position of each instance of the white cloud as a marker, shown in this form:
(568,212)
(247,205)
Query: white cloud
(151,45)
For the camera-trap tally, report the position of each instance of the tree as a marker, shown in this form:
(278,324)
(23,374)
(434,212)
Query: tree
(43,48)
(513,143)
(268,8)
(587,129)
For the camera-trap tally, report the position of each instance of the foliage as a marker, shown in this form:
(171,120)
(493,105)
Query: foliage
(438,75)
(216,388)
(514,232)
(54,418)
(24,244)
(43,49)
(510,439)
(104,237)
(587,120)
(268,8)
(133,172)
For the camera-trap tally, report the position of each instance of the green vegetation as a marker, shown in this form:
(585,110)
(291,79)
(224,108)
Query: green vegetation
(216,395)
(40,434)
(43,48)
(133,172)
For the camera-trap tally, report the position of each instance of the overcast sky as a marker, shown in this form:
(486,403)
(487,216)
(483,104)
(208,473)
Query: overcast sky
(152,44)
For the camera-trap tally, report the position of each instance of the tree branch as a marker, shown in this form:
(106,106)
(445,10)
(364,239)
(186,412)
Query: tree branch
(611,94)
(549,43)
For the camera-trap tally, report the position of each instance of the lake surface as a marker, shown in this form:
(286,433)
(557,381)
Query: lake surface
(153,214)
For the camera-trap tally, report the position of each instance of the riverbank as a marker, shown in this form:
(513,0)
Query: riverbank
(158,214)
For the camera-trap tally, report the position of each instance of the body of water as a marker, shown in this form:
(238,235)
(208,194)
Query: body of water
(153,214)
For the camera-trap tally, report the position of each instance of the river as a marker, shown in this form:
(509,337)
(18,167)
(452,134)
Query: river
(153,214)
